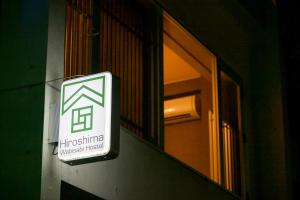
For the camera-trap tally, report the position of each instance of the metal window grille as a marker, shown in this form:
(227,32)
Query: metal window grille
(121,52)
(108,35)
(230,156)
(78,40)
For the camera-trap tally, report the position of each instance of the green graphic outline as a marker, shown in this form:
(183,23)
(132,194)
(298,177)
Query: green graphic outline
(84,122)
(63,102)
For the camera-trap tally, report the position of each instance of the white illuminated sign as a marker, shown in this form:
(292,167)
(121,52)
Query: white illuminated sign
(87,129)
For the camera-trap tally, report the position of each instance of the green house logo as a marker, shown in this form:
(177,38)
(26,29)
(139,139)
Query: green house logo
(82,119)
(91,92)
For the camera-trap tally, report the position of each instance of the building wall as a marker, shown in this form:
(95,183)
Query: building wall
(23,36)
(269,144)
(250,48)
(141,171)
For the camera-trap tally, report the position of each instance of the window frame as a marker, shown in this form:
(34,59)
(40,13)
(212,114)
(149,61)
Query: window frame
(223,67)
(219,67)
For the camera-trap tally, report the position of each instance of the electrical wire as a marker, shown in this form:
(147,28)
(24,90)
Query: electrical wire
(38,84)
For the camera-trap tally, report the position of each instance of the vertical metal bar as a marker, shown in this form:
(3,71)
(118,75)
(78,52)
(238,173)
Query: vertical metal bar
(71,40)
(75,39)
(230,159)
(90,30)
(135,70)
(137,74)
(122,63)
(86,38)
(129,73)
(117,49)
(118,11)
(80,38)
(108,38)
(235,159)
(84,35)
(95,37)
(68,34)
(110,41)
(133,93)
(145,72)
(117,54)
(225,156)
(141,84)
(136,84)
(137,80)
(78,35)
(105,40)
(72,70)
(113,37)
(101,33)
(126,69)
(152,85)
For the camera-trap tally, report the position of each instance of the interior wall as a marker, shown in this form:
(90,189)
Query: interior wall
(189,141)
(23,36)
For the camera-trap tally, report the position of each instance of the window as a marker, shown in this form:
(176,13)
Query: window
(231,131)
(192,131)
(190,71)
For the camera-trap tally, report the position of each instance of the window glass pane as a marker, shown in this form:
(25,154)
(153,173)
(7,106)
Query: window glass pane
(230,132)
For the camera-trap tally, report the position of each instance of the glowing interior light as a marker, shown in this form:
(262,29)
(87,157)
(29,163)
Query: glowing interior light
(169,110)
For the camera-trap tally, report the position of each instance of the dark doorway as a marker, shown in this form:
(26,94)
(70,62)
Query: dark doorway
(70,192)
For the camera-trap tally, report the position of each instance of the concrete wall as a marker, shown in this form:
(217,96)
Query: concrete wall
(23,36)
(141,172)
(269,150)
